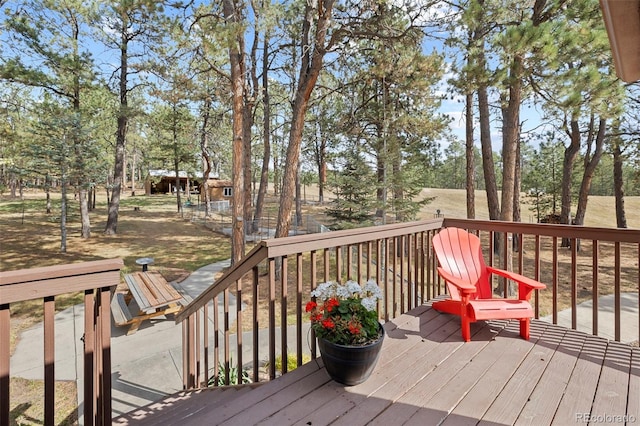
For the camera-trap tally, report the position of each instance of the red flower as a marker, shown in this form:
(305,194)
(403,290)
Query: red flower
(354,328)
(328,323)
(316,317)
(311,306)
(331,303)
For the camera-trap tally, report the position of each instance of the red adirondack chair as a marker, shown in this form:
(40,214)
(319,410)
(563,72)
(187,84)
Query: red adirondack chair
(468,282)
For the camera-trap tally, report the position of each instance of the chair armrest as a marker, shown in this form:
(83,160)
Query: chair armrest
(520,279)
(463,286)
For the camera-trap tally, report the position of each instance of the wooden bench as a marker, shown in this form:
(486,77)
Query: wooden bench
(153,295)
(120,310)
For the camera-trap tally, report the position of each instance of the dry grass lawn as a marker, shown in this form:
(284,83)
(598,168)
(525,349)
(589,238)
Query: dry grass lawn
(600,210)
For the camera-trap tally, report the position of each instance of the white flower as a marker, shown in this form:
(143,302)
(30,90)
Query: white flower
(369,303)
(371,292)
(343,292)
(371,288)
(324,291)
(353,288)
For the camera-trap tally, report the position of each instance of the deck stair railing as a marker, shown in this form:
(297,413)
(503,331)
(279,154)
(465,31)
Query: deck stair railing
(95,279)
(280,273)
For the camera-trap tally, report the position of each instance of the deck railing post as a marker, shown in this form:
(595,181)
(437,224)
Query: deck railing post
(103,370)
(89,340)
(189,378)
(4,364)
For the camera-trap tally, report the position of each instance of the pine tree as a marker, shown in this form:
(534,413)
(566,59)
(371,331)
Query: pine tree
(354,191)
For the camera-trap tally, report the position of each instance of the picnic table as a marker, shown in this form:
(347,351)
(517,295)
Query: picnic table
(153,295)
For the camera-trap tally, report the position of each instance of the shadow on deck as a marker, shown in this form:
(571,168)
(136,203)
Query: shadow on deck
(426,375)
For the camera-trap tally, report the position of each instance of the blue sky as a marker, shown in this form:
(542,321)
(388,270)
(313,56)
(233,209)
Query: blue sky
(454,108)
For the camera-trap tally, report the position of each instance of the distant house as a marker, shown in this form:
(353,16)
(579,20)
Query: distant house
(164,182)
(220,190)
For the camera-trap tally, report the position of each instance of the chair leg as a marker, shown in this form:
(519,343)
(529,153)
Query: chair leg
(524,328)
(465,327)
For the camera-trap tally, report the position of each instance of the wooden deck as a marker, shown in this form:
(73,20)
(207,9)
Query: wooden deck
(426,375)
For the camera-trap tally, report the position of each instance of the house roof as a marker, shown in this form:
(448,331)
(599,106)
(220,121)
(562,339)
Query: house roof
(167,173)
(219,183)
(622,20)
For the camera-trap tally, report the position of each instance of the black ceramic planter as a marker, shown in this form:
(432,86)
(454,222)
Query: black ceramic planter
(350,365)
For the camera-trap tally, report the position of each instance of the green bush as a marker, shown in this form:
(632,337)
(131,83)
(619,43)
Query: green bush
(219,379)
(292,361)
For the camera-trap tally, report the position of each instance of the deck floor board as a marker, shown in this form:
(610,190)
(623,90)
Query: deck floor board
(480,397)
(583,382)
(612,392)
(426,374)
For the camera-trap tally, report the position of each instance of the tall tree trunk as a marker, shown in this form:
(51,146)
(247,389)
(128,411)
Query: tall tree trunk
(116,183)
(47,190)
(266,131)
(517,213)
(322,170)
(470,184)
(13,185)
(85,228)
(381,178)
(320,150)
(121,137)
(487,154)
(618,184)
(252,92)
(591,162)
(298,199)
(491,187)
(125,164)
(133,172)
(236,56)
(84,213)
(309,70)
(570,155)
(176,156)
(63,213)
(517,185)
(177,185)
(398,189)
(277,166)
(247,124)
(510,136)
(382,157)
(206,158)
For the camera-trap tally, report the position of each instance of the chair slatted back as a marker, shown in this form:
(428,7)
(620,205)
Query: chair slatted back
(460,254)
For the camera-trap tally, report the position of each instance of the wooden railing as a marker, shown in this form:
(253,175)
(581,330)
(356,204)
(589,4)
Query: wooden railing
(280,273)
(269,323)
(577,263)
(95,279)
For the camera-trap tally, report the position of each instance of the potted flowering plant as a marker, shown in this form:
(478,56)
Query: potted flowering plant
(345,321)
(346,314)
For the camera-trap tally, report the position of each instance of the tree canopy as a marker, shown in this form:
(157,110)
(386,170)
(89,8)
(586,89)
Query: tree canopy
(265,93)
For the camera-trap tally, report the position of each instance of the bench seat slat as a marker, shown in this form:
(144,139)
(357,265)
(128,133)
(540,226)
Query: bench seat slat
(120,310)
(137,293)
